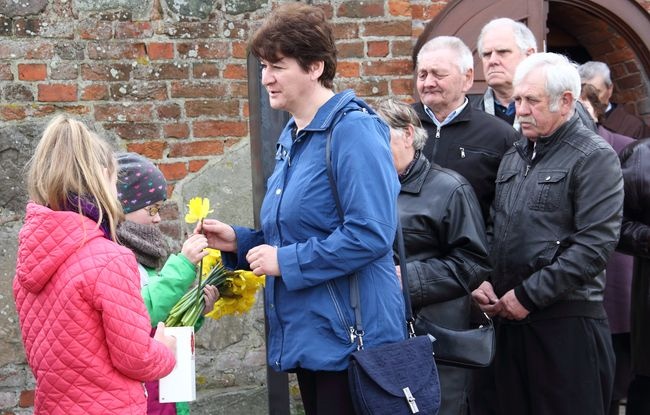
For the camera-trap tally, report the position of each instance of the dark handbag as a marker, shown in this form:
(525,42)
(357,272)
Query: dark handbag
(471,348)
(394,379)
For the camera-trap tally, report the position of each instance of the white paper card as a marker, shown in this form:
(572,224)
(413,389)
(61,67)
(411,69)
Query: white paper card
(180,384)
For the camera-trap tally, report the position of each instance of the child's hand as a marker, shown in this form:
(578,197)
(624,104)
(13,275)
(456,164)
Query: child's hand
(194,248)
(210,295)
(168,341)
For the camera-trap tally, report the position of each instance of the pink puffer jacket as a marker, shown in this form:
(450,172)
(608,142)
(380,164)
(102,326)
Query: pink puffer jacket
(84,324)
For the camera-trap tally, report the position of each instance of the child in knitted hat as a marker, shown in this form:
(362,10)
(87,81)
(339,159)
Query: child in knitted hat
(142,189)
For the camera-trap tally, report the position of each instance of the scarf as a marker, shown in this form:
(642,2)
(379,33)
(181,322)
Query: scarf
(146,241)
(89,210)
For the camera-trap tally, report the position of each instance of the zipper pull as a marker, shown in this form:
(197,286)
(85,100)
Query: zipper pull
(462,153)
(438,132)
(527,170)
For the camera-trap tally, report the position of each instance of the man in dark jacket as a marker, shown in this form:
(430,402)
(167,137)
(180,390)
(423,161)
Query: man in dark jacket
(556,220)
(617,119)
(461,138)
(635,240)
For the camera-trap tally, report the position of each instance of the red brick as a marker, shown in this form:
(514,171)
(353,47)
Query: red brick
(27,27)
(348,69)
(181,130)
(196,165)
(57,93)
(388,67)
(153,150)
(136,131)
(352,49)
(32,71)
(95,92)
(239,50)
(239,89)
(43,110)
(378,49)
(159,50)
(169,111)
(198,90)
(173,171)
(122,113)
(401,48)
(106,72)
(170,192)
(133,30)
(399,8)
(346,31)
(387,28)
(205,70)
(426,12)
(204,50)
(369,88)
(620,55)
(162,71)
(26,399)
(212,107)
(372,8)
(235,72)
(402,86)
(220,128)
(139,91)
(12,112)
(237,30)
(74,109)
(91,29)
(5,73)
(197,148)
(116,50)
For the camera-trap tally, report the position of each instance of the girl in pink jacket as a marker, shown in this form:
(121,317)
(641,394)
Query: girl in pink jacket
(84,325)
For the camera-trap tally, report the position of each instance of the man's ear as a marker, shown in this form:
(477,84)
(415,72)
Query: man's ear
(469,80)
(566,102)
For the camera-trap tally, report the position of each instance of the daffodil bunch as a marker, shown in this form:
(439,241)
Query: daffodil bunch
(237,289)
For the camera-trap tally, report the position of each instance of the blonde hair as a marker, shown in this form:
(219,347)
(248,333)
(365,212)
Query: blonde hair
(71,160)
(399,115)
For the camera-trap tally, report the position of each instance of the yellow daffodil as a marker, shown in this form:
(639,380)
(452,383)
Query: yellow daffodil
(198,209)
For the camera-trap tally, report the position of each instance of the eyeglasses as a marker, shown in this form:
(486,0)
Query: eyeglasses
(153,210)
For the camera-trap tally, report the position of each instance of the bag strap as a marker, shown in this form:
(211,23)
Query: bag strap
(355,300)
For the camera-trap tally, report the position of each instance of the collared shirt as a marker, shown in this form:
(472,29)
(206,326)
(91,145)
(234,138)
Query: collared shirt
(449,118)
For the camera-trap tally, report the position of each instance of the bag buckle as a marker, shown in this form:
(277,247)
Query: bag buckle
(410,399)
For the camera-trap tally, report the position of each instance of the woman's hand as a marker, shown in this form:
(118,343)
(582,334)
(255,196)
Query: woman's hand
(194,248)
(263,260)
(220,236)
(210,295)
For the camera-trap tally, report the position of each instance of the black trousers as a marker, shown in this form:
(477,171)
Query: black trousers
(325,393)
(638,396)
(561,366)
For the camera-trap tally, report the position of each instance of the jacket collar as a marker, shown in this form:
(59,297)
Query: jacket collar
(463,116)
(414,180)
(545,143)
(324,116)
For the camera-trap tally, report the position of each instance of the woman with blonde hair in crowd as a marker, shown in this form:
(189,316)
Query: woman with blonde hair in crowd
(83,321)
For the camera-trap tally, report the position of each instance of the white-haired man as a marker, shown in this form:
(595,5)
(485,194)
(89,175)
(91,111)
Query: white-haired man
(617,119)
(461,138)
(556,220)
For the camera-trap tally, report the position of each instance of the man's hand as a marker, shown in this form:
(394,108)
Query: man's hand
(511,308)
(263,260)
(486,299)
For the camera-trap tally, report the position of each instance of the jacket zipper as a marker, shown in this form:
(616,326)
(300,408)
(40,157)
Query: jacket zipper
(339,311)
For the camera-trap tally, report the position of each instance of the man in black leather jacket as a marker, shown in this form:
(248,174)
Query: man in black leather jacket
(556,220)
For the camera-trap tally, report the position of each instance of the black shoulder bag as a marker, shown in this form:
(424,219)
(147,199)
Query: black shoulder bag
(393,379)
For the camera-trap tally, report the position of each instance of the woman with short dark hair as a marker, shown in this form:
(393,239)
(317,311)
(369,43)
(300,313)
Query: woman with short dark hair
(306,246)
